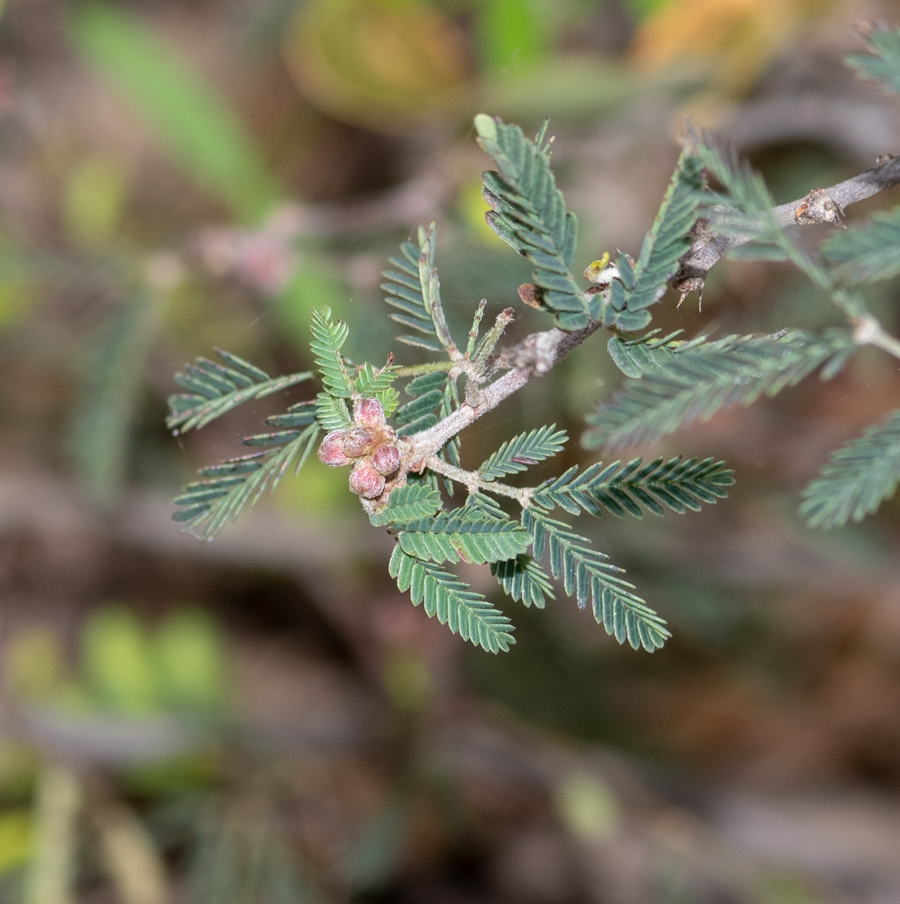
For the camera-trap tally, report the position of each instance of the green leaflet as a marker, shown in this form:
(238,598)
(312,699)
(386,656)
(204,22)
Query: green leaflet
(424,404)
(588,575)
(857,479)
(523,451)
(451,537)
(427,391)
(299,415)
(208,505)
(700,380)
(215,389)
(450,600)
(677,484)
(529,214)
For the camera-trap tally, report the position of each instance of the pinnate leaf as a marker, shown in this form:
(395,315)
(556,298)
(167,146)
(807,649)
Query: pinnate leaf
(588,575)
(857,479)
(455,536)
(699,380)
(529,214)
(327,339)
(452,602)
(408,503)
(215,389)
(523,451)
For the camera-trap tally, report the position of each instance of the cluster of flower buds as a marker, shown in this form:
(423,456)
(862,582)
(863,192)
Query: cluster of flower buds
(370,445)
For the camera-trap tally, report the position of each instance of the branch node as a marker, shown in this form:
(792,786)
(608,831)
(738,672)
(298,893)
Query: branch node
(818,207)
(866,330)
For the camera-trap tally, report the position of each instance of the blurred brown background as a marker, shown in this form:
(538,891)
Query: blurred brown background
(265,718)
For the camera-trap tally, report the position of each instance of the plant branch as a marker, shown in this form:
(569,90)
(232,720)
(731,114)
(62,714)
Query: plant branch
(534,356)
(472,481)
(821,205)
(868,331)
(539,352)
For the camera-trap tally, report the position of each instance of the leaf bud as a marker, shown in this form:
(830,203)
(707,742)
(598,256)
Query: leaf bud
(331,450)
(365,481)
(386,459)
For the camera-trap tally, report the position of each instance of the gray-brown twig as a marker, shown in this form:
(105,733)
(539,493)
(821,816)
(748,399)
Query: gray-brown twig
(821,205)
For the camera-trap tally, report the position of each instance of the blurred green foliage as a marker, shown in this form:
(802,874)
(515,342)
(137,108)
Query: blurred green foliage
(124,668)
(94,200)
(197,128)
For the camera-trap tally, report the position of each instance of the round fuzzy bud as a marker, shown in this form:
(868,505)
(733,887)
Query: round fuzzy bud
(331,450)
(357,443)
(386,459)
(368,414)
(365,481)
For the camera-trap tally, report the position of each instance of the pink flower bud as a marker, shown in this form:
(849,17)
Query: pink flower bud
(331,450)
(386,459)
(365,481)
(357,443)
(368,414)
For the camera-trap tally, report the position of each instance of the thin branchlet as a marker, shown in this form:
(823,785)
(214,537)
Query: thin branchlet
(820,205)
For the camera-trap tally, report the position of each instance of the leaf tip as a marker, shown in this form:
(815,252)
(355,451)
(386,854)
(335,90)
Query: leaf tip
(486,127)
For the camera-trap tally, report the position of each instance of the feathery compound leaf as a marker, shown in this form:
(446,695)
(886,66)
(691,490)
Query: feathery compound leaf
(465,612)
(104,413)
(745,193)
(215,389)
(871,252)
(529,214)
(883,63)
(857,479)
(666,242)
(370,382)
(408,503)
(455,536)
(522,451)
(588,575)
(414,289)
(326,345)
(378,384)
(700,380)
(208,505)
(524,580)
(631,488)
(332,413)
